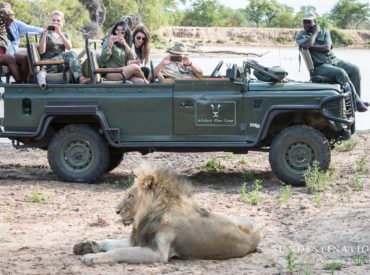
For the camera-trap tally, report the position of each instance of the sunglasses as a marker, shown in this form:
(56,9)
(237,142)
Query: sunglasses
(140,38)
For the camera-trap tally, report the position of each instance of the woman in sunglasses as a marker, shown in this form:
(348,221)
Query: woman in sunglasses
(141,48)
(116,53)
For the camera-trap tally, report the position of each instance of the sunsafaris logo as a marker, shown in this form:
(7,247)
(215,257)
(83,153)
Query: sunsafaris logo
(216,113)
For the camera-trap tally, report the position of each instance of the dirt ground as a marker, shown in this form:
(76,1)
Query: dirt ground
(42,218)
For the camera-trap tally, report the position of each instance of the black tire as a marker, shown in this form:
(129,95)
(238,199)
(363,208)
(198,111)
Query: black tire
(294,149)
(78,153)
(116,158)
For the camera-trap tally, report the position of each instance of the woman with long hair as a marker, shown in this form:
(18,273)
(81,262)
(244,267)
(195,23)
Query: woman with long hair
(116,53)
(56,45)
(141,44)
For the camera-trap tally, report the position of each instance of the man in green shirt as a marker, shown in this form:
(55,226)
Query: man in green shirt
(319,43)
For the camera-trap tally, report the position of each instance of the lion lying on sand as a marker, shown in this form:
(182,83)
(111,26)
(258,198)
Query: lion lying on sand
(167,223)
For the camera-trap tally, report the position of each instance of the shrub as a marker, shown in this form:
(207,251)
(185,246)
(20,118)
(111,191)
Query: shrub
(252,197)
(340,38)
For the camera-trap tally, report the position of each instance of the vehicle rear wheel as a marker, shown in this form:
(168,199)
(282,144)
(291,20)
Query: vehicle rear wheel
(78,153)
(294,149)
(116,158)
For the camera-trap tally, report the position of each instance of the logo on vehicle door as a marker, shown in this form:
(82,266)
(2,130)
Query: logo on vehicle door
(216,113)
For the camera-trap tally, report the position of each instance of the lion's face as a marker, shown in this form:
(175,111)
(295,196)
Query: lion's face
(128,206)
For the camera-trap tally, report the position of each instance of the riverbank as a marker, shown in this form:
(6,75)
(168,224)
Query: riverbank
(267,37)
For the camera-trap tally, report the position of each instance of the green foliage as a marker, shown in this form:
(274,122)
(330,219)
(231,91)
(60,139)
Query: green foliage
(203,13)
(283,39)
(123,183)
(363,166)
(213,166)
(38,197)
(347,145)
(287,193)
(291,260)
(242,161)
(38,13)
(261,11)
(252,197)
(339,38)
(316,180)
(357,183)
(248,176)
(349,14)
(333,266)
(306,269)
(358,260)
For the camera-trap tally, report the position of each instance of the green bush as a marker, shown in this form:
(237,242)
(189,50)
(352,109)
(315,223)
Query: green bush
(339,38)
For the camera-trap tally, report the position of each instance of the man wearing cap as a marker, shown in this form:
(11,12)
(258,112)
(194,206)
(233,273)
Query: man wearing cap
(319,43)
(178,64)
(15,28)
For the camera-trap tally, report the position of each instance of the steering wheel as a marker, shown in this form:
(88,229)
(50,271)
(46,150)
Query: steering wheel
(154,77)
(216,71)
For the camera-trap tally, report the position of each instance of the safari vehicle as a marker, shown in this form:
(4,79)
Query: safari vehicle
(86,129)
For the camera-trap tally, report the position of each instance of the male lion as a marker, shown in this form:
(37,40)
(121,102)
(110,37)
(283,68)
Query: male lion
(167,223)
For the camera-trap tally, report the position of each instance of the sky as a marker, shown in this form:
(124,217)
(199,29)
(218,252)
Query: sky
(322,6)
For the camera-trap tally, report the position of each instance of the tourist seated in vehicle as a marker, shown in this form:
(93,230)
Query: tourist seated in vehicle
(11,32)
(15,29)
(116,53)
(318,41)
(141,48)
(178,64)
(56,45)
(6,57)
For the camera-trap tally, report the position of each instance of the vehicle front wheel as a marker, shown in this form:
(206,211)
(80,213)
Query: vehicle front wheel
(78,153)
(294,149)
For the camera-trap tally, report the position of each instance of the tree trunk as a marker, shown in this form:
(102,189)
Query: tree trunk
(97,12)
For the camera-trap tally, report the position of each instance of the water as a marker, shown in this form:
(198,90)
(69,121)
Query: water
(288,59)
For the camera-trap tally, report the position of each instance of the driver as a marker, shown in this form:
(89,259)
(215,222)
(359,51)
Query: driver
(319,42)
(178,64)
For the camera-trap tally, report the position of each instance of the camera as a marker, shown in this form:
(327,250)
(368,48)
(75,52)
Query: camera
(51,28)
(176,58)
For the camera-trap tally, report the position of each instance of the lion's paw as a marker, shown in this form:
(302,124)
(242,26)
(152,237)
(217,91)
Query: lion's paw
(88,259)
(83,248)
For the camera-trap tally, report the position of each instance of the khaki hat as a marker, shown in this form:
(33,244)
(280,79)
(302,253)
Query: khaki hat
(178,48)
(309,16)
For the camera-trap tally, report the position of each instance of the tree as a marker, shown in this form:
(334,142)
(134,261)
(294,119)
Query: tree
(203,13)
(261,11)
(349,14)
(283,18)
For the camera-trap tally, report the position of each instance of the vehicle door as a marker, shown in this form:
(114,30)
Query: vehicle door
(208,110)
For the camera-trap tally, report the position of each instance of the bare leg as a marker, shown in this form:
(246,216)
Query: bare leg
(22,63)
(9,60)
(133,73)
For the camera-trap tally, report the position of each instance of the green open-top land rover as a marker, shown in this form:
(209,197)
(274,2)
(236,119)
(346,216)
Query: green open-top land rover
(86,129)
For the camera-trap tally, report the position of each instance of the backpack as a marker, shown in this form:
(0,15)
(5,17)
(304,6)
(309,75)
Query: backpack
(268,74)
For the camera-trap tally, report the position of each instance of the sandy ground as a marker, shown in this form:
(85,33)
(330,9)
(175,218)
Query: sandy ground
(38,237)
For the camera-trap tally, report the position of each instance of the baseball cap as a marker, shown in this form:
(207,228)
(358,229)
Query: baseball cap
(309,16)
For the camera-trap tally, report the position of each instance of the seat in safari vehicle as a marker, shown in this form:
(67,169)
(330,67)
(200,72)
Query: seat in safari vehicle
(36,64)
(314,77)
(94,70)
